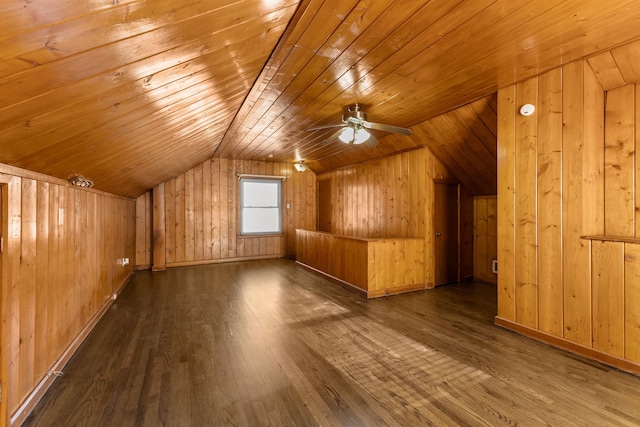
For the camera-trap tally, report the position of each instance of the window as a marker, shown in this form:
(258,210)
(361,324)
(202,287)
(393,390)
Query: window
(260,211)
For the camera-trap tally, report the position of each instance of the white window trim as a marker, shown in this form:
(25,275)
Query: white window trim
(260,178)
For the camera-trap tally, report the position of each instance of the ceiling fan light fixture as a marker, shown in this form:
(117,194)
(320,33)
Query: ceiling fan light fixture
(300,166)
(347,135)
(81,181)
(361,136)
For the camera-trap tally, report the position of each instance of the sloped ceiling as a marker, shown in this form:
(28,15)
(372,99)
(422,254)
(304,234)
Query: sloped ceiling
(617,67)
(133,92)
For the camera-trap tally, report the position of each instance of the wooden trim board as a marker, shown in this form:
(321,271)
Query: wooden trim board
(569,346)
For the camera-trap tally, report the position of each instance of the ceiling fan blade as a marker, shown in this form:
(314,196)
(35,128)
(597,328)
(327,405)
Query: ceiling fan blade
(340,125)
(387,128)
(372,141)
(333,137)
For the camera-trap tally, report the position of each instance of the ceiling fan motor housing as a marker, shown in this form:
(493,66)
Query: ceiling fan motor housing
(354,112)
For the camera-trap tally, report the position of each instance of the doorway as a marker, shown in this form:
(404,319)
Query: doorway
(324,206)
(446,227)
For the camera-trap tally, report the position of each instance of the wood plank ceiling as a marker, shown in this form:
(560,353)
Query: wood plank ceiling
(130,93)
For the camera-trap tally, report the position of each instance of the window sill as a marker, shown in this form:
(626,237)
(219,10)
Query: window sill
(255,236)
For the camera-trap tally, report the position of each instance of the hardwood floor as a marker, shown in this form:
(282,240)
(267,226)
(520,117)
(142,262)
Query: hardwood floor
(270,343)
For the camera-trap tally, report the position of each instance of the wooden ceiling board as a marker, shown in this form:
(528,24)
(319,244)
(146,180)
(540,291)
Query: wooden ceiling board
(131,93)
(606,70)
(126,114)
(19,16)
(467,117)
(304,54)
(141,109)
(617,67)
(482,27)
(118,97)
(332,82)
(449,159)
(627,59)
(88,31)
(468,152)
(301,108)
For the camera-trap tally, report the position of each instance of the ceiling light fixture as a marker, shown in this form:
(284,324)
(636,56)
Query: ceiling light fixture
(300,166)
(347,135)
(81,181)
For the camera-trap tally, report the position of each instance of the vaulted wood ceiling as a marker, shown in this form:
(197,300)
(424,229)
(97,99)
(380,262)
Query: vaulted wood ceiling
(133,92)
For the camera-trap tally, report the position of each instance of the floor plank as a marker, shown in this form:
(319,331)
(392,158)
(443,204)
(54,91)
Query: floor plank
(271,343)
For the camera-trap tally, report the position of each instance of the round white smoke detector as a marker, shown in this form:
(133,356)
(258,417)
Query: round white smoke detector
(527,109)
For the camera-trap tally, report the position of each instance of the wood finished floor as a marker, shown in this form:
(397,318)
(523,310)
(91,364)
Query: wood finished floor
(270,343)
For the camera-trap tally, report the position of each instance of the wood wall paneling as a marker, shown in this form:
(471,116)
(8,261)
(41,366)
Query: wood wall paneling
(637,164)
(394,197)
(481,263)
(576,252)
(465,211)
(485,241)
(201,213)
(549,199)
(526,207)
(608,297)
(373,267)
(632,301)
(159,253)
(506,202)
(392,204)
(144,231)
(619,168)
(584,184)
(68,243)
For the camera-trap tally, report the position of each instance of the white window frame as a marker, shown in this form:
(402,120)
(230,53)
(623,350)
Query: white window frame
(261,179)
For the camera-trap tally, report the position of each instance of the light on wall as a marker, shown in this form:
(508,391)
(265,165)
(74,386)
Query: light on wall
(347,135)
(300,166)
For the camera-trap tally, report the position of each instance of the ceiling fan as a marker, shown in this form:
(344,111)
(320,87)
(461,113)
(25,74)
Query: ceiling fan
(354,128)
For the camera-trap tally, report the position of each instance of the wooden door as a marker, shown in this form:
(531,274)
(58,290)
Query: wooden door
(324,206)
(446,233)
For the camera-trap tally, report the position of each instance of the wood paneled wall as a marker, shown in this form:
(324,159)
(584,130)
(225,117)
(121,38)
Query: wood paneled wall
(200,214)
(144,238)
(59,271)
(567,171)
(485,241)
(374,267)
(465,219)
(389,197)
